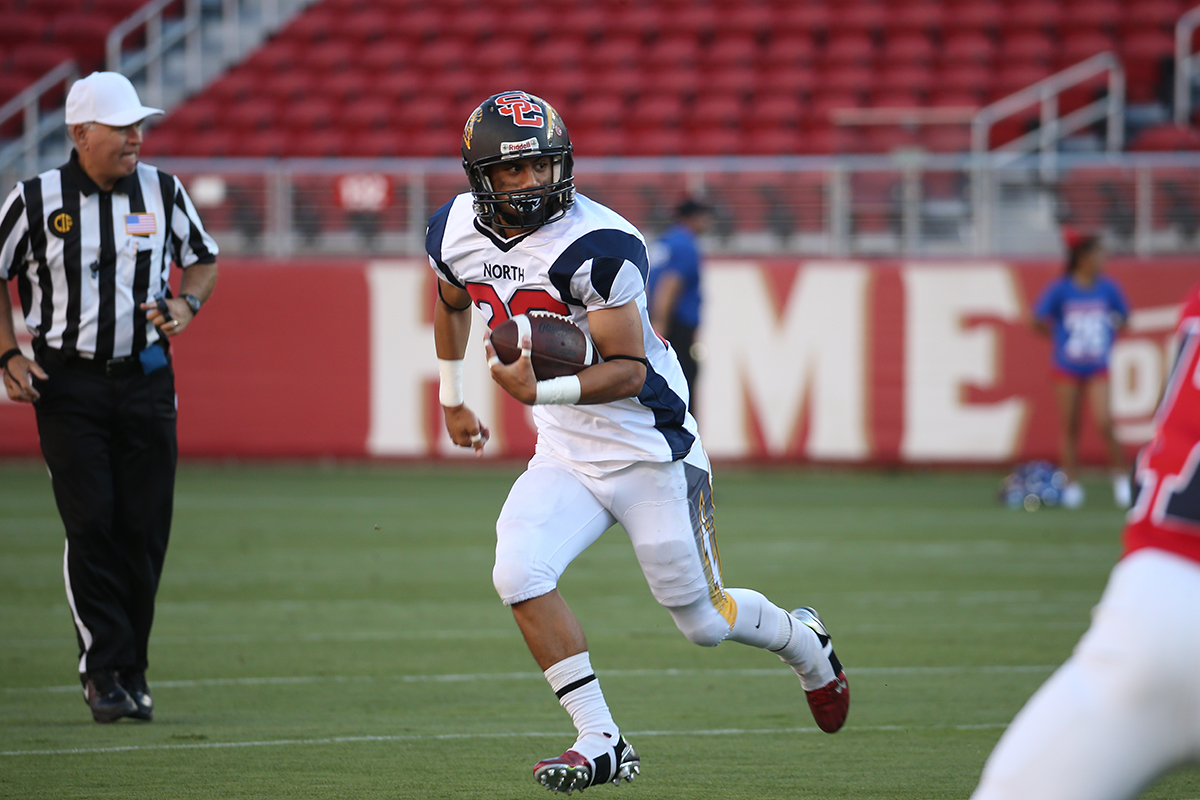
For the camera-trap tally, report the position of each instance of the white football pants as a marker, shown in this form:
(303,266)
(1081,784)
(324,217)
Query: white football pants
(1125,707)
(553,513)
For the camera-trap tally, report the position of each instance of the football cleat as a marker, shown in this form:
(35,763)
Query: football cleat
(573,771)
(831,703)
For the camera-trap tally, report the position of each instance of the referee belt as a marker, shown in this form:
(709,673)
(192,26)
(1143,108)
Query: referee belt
(121,367)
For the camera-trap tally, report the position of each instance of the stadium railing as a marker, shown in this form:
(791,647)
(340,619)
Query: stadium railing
(909,203)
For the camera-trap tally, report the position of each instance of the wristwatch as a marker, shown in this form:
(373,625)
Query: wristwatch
(193,303)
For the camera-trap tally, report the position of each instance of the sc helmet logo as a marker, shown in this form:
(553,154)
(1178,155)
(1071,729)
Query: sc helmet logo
(522,109)
(60,223)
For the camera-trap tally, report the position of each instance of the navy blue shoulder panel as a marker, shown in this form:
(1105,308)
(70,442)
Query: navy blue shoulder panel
(608,249)
(669,413)
(433,243)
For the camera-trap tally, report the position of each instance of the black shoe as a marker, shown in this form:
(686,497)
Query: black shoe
(104,695)
(134,682)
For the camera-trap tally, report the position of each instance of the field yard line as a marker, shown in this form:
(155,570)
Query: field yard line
(1013,669)
(433,737)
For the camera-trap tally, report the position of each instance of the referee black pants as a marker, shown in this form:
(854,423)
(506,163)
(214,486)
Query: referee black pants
(110,445)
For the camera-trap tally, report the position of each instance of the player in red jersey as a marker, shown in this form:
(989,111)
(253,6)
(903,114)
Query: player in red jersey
(1125,707)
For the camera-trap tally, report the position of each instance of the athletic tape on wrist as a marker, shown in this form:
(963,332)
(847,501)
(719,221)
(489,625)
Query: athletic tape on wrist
(562,391)
(450,393)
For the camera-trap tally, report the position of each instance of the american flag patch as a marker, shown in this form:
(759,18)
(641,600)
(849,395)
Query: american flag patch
(140,224)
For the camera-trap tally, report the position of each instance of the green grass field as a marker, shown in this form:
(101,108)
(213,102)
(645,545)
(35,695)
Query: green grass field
(332,632)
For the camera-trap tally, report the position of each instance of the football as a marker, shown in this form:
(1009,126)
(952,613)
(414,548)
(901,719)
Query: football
(557,346)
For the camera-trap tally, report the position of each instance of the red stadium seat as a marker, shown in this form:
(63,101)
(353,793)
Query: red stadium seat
(250,116)
(377,144)
(848,78)
(657,142)
(1078,45)
(696,20)
(22,27)
(619,83)
(1037,16)
(1015,77)
(947,138)
(399,86)
(287,87)
(712,142)
(1148,56)
(729,80)
(1028,46)
(850,48)
(653,111)
(599,111)
(972,78)
(276,57)
(825,102)
(500,54)
(35,60)
(234,87)
(331,56)
(968,47)
(748,19)
(862,17)
(731,50)
(273,143)
(312,25)
(912,78)
(713,111)
(614,52)
(561,52)
(776,141)
(641,20)
(585,22)
(796,82)
(371,113)
(924,17)
(788,51)
(804,19)
(907,48)
(442,54)
(320,144)
(1103,15)
(308,115)
(1166,138)
(672,51)
(84,34)
(1157,15)
(598,141)
(983,16)
(773,111)
(215,143)
(944,97)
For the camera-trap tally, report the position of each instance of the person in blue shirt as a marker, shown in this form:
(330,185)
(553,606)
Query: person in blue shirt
(1082,312)
(673,287)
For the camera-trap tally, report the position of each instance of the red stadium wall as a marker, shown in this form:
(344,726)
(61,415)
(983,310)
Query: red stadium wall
(880,361)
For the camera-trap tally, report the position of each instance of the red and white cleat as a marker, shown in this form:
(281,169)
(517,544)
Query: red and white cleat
(831,703)
(573,771)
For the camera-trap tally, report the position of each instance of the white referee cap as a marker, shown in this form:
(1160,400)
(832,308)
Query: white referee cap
(108,98)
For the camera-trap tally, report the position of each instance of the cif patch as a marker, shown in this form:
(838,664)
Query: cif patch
(60,223)
(140,224)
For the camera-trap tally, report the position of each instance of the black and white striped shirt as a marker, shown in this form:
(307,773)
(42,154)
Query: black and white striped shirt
(84,259)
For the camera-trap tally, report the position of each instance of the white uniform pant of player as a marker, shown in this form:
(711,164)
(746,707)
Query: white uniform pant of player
(1125,707)
(553,513)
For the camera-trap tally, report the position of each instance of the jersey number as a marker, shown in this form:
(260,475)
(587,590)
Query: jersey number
(522,302)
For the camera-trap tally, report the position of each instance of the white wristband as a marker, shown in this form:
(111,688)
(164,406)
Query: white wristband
(451,391)
(562,391)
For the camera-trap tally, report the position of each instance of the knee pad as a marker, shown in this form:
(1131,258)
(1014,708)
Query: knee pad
(701,623)
(519,574)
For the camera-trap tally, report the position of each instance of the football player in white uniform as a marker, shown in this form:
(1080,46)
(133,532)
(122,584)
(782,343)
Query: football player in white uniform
(615,442)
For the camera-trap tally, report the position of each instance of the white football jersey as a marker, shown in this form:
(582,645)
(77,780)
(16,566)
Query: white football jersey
(590,259)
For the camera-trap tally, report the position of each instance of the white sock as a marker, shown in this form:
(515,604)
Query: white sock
(761,623)
(578,690)
(798,646)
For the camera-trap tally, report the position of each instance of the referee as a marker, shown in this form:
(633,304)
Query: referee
(91,245)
